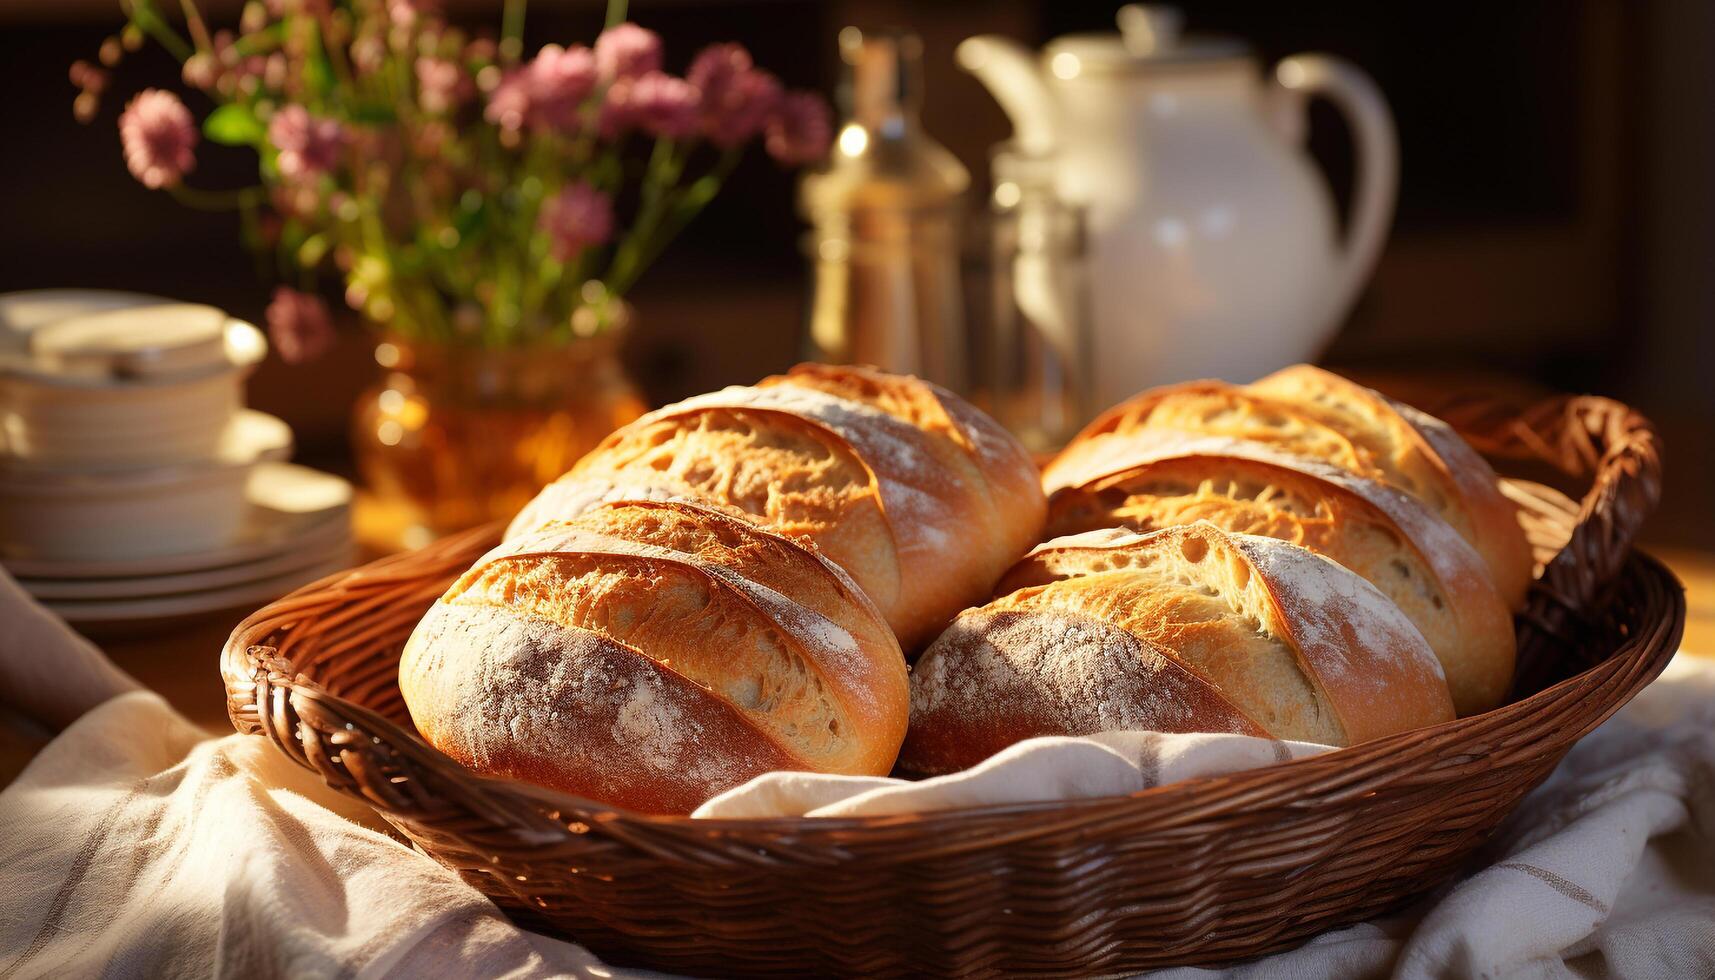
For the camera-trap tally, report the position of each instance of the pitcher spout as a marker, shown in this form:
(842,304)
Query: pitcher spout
(1011,74)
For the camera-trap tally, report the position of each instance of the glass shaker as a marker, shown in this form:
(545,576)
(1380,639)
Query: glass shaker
(884,217)
(1040,359)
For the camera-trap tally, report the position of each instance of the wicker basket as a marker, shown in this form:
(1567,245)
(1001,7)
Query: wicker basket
(1196,872)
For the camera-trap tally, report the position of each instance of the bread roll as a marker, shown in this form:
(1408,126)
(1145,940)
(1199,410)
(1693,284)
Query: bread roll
(1189,628)
(1160,479)
(1308,412)
(921,498)
(651,654)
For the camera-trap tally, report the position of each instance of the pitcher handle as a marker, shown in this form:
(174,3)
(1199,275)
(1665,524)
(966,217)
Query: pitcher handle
(1304,76)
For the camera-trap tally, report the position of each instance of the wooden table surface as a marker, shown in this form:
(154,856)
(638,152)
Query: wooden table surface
(1696,569)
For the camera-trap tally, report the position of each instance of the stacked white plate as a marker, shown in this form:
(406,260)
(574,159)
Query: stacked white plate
(296,528)
(134,484)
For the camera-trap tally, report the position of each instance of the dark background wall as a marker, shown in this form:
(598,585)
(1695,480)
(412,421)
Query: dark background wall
(1556,217)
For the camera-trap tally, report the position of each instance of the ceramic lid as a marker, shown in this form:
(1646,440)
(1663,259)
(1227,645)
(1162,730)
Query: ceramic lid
(22,312)
(95,337)
(1150,36)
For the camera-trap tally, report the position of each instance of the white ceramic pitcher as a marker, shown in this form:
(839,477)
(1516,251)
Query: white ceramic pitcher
(1213,244)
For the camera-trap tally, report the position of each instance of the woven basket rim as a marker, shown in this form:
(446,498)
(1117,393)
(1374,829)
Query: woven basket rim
(1193,872)
(543,798)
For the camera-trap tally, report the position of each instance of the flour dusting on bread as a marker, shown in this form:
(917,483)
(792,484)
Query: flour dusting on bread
(998,676)
(653,653)
(1305,648)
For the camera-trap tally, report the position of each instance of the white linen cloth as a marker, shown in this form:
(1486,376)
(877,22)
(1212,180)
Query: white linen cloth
(1054,768)
(135,845)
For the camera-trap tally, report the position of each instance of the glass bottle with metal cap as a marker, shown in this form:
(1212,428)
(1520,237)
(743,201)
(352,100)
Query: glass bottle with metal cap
(884,216)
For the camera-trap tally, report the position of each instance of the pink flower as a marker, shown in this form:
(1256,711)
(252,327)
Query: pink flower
(801,129)
(575,218)
(247,74)
(88,77)
(560,80)
(299,325)
(441,84)
(738,97)
(405,13)
(275,72)
(222,44)
(509,103)
(159,138)
(657,103)
(201,71)
(481,50)
(368,53)
(615,116)
(546,93)
(91,82)
(714,68)
(309,147)
(627,51)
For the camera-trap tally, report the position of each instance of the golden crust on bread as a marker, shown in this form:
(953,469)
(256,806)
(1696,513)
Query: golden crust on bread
(922,498)
(653,653)
(1304,647)
(1304,411)
(1389,538)
(1423,457)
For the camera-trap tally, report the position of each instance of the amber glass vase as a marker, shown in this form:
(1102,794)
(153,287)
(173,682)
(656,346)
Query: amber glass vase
(454,436)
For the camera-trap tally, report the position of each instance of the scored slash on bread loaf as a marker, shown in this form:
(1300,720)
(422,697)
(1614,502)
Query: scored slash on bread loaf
(1422,456)
(1304,411)
(651,654)
(1273,636)
(920,497)
(1370,665)
(1149,479)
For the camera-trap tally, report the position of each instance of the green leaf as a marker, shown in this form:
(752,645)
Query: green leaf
(700,193)
(312,250)
(234,125)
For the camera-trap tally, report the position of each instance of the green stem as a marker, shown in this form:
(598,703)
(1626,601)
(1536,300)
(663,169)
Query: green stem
(659,175)
(405,84)
(688,204)
(199,31)
(657,226)
(151,23)
(616,12)
(261,42)
(335,55)
(512,30)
